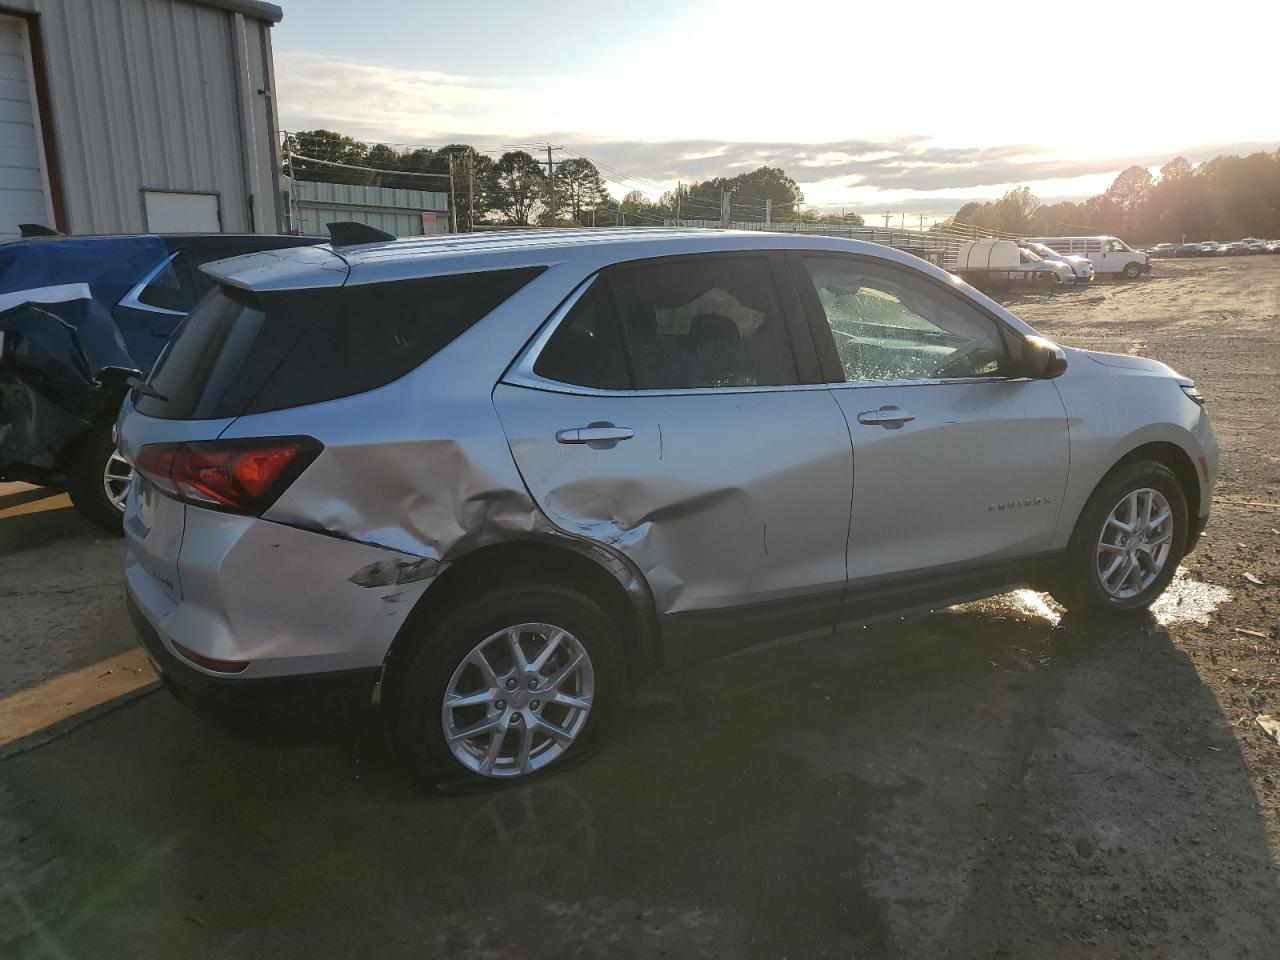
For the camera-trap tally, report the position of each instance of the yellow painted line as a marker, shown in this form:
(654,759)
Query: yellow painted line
(55,501)
(28,711)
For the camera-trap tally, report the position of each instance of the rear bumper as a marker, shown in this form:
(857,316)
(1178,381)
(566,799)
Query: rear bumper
(293,709)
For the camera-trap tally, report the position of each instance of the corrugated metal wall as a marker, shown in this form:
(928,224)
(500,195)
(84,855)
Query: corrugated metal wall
(148,95)
(315,204)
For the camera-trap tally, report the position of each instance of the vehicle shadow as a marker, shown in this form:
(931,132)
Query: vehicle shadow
(984,781)
(35,517)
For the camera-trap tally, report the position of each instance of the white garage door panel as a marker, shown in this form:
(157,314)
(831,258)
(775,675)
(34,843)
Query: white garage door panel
(23,187)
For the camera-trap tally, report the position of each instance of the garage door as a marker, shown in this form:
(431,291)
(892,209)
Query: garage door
(23,187)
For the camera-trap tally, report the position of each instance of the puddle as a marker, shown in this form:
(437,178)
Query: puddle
(1188,601)
(1024,605)
(1185,601)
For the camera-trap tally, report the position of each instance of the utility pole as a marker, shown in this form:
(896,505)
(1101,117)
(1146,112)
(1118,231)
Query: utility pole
(887,215)
(768,212)
(471,192)
(551,181)
(453,200)
(678,192)
(922,223)
(726,208)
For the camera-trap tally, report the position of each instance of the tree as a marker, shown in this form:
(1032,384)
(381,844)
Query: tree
(1127,193)
(579,188)
(1015,209)
(518,186)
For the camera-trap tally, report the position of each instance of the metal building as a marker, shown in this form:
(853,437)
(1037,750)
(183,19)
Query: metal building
(126,116)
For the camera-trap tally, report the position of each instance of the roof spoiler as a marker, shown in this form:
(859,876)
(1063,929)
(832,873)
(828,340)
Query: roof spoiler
(346,233)
(36,230)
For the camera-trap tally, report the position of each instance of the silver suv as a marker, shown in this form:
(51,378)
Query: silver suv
(487,481)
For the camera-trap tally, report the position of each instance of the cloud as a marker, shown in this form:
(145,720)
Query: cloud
(399,105)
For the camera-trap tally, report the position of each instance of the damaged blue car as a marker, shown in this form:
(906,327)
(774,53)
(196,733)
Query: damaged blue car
(79,317)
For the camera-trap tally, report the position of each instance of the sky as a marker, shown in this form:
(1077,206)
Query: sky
(910,107)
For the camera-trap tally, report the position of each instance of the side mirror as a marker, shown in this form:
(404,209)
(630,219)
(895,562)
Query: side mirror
(1042,359)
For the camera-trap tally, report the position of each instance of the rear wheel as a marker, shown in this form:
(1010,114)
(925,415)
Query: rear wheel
(98,480)
(1132,271)
(513,684)
(1127,543)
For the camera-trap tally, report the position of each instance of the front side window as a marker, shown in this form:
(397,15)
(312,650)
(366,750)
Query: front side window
(889,324)
(1116,246)
(704,322)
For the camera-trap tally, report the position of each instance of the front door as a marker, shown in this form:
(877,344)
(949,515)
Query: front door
(664,419)
(957,463)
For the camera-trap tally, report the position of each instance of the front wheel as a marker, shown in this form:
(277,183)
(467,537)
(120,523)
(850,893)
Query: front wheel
(1132,271)
(1127,543)
(98,480)
(513,684)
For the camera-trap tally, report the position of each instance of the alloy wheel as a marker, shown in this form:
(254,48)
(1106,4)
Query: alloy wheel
(1135,543)
(518,700)
(116,478)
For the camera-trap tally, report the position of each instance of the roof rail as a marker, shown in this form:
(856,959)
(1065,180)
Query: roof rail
(346,233)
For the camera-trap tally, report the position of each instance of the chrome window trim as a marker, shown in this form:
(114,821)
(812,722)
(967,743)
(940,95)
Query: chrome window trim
(131,300)
(521,374)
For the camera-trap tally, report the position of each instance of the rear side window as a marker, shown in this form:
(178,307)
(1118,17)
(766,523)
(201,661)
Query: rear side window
(172,288)
(587,349)
(704,322)
(241,353)
(382,331)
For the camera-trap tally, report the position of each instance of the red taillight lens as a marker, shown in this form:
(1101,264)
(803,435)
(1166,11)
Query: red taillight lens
(244,476)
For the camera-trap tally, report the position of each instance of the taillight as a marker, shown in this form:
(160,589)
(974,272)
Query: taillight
(242,476)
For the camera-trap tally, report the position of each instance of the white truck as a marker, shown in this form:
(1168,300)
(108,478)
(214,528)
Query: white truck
(1000,264)
(1107,254)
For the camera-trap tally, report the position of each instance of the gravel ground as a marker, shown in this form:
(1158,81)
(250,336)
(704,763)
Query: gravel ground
(992,780)
(1217,321)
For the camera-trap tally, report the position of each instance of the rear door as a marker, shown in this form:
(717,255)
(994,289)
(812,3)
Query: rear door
(958,464)
(662,413)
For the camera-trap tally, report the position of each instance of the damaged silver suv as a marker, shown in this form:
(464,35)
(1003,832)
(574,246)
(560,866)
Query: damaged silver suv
(486,481)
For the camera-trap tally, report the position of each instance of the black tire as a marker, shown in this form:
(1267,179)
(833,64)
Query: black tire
(1078,586)
(416,688)
(1132,271)
(86,471)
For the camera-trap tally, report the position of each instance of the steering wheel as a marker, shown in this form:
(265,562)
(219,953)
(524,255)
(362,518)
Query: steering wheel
(970,357)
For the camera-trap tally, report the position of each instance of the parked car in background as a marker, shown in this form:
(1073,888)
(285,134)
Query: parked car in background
(78,317)
(497,478)
(1001,264)
(1164,250)
(1273,246)
(1256,246)
(1236,249)
(1081,267)
(1109,255)
(1190,250)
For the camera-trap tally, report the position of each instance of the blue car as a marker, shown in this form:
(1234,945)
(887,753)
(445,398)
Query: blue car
(79,316)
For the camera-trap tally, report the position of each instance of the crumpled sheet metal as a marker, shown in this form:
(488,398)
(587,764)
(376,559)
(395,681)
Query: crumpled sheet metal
(55,357)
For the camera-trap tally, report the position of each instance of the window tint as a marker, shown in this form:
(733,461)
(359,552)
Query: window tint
(171,288)
(889,324)
(381,331)
(198,364)
(704,322)
(587,349)
(243,353)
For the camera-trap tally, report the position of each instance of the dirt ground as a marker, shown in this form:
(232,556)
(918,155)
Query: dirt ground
(992,780)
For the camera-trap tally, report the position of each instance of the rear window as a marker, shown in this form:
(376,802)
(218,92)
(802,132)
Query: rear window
(241,353)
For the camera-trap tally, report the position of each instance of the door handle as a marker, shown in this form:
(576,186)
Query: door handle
(603,433)
(888,416)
